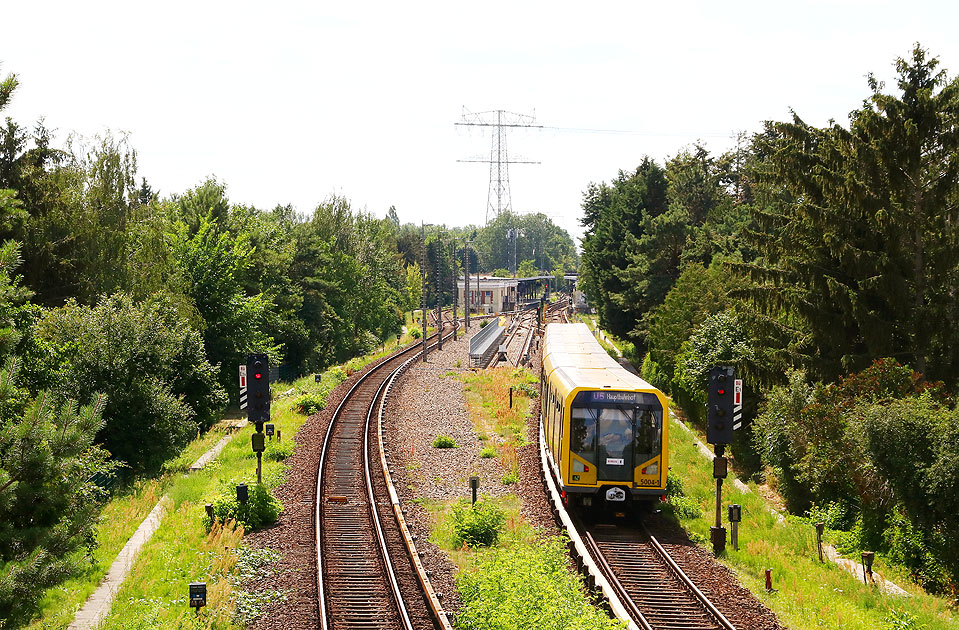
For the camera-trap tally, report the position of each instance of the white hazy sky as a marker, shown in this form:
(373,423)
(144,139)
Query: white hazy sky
(290,102)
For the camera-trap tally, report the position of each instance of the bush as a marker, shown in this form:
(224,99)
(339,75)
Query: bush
(653,374)
(414,332)
(488,451)
(477,525)
(278,451)
(510,478)
(528,585)
(150,362)
(308,404)
(484,323)
(444,441)
(677,501)
(261,509)
(528,388)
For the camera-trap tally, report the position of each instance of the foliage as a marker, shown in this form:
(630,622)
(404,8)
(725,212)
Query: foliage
(49,500)
(878,451)
(415,332)
(857,232)
(510,478)
(488,451)
(541,242)
(527,269)
(698,293)
(150,363)
(212,264)
(530,389)
(677,502)
(308,404)
(444,441)
(476,525)
(261,509)
(527,585)
(278,451)
(654,374)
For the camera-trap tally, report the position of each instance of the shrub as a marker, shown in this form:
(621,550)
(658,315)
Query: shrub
(528,585)
(488,451)
(444,441)
(150,362)
(278,451)
(414,332)
(527,388)
(484,323)
(261,509)
(510,478)
(477,525)
(308,404)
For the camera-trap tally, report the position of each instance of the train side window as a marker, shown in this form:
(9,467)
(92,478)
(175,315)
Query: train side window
(558,428)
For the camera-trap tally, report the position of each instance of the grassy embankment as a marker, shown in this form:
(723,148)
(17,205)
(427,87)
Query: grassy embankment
(522,580)
(154,594)
(809,594)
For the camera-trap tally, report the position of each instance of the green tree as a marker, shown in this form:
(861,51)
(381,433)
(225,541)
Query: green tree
(615,263)
(414,286)
(858,231)
(152,366)
(211,265)
(48,501)
(527,269)
(697,294)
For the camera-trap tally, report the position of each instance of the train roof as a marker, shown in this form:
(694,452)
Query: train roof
(573,357)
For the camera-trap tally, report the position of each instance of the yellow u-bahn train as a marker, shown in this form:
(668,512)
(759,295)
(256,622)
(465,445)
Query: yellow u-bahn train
(603,425)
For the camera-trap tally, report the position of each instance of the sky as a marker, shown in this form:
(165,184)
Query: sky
(292,102)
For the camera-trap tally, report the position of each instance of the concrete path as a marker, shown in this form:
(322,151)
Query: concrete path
(98,604)
(850,566)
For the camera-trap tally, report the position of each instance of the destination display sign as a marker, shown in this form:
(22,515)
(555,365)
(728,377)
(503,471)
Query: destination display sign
(615,397)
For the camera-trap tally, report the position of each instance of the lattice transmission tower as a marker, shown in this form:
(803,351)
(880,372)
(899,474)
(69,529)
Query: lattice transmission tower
(498,197)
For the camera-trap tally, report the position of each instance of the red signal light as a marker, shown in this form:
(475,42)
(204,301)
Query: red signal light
(257,375)
(721,392)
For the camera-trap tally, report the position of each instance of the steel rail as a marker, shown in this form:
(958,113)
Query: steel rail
(318,521)
(384,549)
(433,599)
(720,618)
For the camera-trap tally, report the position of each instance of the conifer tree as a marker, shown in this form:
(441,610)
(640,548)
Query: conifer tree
(860,233)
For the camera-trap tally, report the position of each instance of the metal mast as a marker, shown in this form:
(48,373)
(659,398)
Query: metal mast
(498,161)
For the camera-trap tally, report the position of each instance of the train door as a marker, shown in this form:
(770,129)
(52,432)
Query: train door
(615,456)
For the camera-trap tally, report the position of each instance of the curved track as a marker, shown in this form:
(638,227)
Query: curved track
(365,573)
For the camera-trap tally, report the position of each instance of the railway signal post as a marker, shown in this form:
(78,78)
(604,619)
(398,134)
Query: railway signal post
(255,398)
(723,396)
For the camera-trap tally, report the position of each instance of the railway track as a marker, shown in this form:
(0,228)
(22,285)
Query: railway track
(368,572)
(656,592)
(641,583)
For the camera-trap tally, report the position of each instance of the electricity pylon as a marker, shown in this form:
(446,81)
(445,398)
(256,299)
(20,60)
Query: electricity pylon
(499,159)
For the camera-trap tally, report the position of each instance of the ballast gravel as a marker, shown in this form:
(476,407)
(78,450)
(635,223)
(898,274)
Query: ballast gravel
(428,401)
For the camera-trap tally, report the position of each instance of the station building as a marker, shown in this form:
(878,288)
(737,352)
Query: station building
(489,294)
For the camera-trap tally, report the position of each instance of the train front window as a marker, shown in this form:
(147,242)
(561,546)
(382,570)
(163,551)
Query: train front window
(582,434)
(647,442)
